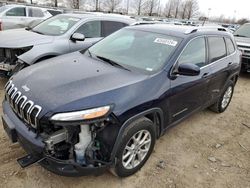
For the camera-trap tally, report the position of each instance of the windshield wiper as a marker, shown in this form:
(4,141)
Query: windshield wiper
(37,32)
(237,35)
(111,62)
(90,54)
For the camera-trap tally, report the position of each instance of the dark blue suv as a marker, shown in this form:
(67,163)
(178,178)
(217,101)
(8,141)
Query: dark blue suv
(104,108)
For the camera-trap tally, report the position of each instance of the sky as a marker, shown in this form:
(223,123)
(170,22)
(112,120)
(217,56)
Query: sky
(239,9)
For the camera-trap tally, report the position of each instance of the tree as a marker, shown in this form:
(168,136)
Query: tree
(243,21)
(151,5)
(184,9)
(192,8)
(176,7)
(112,4)
(97,5)
(169,8)
(138,5)
(75,4)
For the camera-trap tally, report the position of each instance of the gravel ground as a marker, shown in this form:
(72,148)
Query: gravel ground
(206,150)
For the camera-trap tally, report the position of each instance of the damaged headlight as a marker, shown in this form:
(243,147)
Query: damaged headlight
(82,115)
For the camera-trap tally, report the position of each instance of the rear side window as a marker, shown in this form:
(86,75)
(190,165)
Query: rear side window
(230,46)
(90,29)
(194,53)
(217,48)
(35,12)
(110,27)
(17,11)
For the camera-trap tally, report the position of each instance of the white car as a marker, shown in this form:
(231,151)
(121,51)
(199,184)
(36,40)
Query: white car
(20,16)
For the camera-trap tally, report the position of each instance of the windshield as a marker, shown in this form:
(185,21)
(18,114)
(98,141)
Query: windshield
(243,31)
(56,26)
(137,49)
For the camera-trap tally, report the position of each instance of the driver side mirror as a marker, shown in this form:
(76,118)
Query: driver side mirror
(188,69)
(77,37)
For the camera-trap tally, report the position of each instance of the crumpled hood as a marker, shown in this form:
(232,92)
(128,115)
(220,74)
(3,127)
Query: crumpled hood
(75,81)
(18,38)
(242,41)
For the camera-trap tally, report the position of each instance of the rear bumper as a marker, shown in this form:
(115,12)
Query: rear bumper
(33,144)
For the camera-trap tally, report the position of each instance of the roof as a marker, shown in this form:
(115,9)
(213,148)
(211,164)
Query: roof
(85,15)
(181,31)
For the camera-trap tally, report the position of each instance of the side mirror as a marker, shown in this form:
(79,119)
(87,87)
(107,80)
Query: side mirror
(188,69)
(77,37)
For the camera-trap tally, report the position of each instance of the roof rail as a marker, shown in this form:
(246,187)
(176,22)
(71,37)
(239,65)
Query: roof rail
(211,28)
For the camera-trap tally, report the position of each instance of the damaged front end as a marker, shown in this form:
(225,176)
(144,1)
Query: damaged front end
(71,144)
(9,59)
(78,149)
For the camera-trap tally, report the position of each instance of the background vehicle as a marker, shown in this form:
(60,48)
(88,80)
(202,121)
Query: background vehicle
(58,35)
(20,16)
(242,37)
(118,97)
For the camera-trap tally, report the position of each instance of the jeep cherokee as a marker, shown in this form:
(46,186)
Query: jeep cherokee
(104,108)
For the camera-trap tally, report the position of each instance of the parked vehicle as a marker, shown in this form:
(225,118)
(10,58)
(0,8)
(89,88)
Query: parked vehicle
(58,35)
(242,37)
(104,108)
(20,16)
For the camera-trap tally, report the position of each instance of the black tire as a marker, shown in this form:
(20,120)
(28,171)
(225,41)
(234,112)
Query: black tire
(138,125)
(218,107)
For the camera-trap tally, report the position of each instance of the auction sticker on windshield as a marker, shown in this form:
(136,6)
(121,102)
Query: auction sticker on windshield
(169,42)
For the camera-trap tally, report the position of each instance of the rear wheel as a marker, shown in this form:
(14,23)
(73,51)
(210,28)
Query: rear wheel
(136,146)
(225,98)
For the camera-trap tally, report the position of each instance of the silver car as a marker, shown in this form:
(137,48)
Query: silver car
(58,35)
(20,16)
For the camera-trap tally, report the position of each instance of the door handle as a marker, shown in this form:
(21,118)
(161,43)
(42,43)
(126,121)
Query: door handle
(229,64)
(205,75)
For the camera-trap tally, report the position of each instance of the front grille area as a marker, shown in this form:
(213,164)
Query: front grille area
(240,46)
(24,108)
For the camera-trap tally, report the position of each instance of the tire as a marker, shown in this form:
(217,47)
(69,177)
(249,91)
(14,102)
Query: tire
(220,106)
(143,127)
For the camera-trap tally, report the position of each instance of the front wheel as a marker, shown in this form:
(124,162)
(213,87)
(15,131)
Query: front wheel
(225,98)
(136,146)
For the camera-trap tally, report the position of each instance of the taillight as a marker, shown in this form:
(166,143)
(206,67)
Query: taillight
(1,26)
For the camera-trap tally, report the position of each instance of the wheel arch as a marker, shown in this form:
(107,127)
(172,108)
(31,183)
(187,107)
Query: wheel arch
(155,115)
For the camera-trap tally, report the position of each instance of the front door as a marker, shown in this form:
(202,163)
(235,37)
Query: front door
(92,32)
(188,93)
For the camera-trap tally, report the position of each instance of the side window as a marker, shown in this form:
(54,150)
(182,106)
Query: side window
(90,29)
(230,46)
(217,48)
(17,11)
(195,53)
(35,12)
(110,27)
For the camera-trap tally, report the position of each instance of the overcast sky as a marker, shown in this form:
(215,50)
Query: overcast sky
(230,8)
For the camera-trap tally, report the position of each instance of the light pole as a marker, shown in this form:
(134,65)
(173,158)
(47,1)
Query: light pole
(209,10)
(127,6)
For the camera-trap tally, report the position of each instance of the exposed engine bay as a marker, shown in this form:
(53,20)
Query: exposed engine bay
(9,58)
(86,144)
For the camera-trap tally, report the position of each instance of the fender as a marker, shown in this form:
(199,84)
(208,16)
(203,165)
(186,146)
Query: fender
(155,111)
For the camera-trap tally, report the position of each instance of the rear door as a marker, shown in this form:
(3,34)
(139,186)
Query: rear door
(190,92)
(15,18)
(35,16)
(220,62)
(109,27)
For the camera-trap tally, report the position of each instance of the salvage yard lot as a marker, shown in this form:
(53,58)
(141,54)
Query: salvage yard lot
(206,150)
